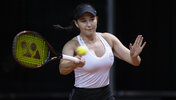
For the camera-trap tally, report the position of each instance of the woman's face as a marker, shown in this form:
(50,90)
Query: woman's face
(87,24)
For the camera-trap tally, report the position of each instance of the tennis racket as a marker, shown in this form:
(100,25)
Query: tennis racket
(31,50)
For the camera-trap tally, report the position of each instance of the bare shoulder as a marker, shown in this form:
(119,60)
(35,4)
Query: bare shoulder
(70,46)
(108,37)
(72,43)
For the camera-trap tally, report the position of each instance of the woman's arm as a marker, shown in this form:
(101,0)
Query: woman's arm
(66,67)
(129,55)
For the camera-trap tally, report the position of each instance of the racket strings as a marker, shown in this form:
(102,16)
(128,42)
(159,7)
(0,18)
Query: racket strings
(31,50)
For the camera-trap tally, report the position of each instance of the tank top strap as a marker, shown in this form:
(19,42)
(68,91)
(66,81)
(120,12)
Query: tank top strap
(103,40)
(81,42)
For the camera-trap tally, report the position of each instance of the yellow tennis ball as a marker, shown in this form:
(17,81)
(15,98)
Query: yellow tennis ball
(81,50)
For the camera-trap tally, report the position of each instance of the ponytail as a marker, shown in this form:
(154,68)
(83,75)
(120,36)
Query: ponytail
(71,29)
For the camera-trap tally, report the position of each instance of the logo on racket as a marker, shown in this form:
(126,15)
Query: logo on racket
(30,50)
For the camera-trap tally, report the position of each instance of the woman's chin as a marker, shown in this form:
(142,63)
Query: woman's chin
(90,32)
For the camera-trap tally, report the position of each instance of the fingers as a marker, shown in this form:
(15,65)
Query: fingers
(143,45)
(137,47)
(139,40)
(77,56)
(130,46)
(81,62)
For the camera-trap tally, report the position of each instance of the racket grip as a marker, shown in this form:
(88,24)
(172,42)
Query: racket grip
(66,57)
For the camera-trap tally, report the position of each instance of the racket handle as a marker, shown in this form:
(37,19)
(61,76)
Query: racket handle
(66,57)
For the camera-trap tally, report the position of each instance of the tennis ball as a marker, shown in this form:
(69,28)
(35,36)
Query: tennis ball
(81,50)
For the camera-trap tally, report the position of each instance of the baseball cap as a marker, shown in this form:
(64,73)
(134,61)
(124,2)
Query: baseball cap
(80,10)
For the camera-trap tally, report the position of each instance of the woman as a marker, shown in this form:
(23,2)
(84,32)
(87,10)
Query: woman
(92,70)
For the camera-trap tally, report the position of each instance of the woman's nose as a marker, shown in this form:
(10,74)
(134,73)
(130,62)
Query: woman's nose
(88,23)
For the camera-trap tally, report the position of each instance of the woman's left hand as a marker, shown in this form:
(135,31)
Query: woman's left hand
(137,47)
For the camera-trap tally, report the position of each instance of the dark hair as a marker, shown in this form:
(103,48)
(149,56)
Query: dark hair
(70,29)
(79,10)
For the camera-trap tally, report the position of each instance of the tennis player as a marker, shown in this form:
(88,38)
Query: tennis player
(92,71)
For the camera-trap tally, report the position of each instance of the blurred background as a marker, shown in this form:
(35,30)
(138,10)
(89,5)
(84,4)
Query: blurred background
(154,79)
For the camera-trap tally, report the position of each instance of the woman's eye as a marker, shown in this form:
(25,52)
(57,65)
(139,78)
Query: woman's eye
(92,19)
(83,21)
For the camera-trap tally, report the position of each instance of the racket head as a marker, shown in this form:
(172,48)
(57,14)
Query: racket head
(30,49)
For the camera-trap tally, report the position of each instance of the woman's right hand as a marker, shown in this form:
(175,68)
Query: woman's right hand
(81,62)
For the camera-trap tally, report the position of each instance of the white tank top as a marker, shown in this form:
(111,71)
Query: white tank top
(95,72)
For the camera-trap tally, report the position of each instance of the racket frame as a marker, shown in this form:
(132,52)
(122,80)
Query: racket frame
(49,47)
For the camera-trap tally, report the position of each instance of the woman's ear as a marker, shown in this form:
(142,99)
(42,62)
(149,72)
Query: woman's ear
(97,18)
(76,23)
